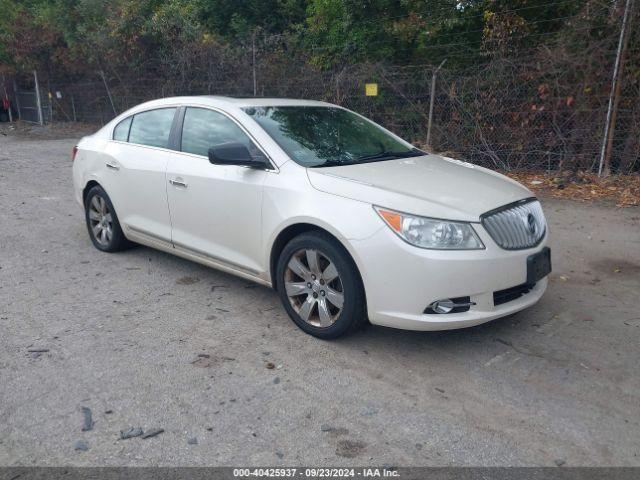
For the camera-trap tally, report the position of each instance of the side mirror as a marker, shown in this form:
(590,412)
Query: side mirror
(234,154)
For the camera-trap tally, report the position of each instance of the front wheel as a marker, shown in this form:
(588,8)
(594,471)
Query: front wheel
(320,287)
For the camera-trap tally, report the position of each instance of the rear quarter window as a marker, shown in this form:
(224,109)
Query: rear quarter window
(121,132)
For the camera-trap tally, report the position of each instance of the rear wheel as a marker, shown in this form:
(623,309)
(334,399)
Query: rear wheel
(102,222)
(320,287)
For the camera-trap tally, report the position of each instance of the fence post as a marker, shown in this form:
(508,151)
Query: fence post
(614,96)
(6,96)
(104,80)
(253,50)
(50,105)
(73,108)
(15,92)
(433,97)
(38,102)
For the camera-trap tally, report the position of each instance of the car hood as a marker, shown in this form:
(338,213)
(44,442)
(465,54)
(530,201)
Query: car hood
(430,185)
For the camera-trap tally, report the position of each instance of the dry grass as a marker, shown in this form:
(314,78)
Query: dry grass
(26,130)
(624,190)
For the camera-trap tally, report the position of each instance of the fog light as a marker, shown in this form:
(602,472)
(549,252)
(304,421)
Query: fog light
(449,305)
(442,306)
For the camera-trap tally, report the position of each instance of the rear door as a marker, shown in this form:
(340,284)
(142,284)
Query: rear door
(136,173)
(216,210)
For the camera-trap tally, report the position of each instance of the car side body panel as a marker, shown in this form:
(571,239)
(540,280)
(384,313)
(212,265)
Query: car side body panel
(289,199)
(139,184)
(134,176)
(219,211)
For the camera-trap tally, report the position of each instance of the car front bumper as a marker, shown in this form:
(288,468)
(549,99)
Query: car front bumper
(401,281)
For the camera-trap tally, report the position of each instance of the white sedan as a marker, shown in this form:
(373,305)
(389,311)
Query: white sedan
(345,220)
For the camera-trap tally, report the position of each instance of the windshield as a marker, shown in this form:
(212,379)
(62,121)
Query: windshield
(328,136)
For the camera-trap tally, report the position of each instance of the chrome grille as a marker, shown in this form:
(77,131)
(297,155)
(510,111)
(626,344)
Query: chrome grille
(516,226)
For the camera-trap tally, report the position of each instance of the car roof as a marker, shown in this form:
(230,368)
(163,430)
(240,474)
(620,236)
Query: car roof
(237,102)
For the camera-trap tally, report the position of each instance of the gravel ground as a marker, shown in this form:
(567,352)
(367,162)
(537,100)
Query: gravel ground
(144,339)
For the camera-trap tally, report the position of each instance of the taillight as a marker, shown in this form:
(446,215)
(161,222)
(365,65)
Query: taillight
(74,152)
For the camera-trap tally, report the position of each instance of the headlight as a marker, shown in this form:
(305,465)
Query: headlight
(431,232)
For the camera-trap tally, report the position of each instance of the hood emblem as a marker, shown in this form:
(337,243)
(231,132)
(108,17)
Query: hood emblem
(531,224)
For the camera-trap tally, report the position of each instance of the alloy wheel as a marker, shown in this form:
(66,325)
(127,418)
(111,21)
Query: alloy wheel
(313,285)
(101,220)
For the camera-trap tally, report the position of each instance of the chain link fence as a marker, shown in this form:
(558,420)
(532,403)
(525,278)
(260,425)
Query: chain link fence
(538,109)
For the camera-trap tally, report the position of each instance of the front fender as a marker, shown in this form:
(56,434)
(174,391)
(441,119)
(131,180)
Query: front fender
(347,220)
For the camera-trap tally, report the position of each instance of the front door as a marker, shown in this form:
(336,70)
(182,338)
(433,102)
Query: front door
(216,210)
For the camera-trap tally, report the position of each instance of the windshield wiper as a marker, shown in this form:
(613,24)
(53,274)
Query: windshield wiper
(380,156)
(387,154)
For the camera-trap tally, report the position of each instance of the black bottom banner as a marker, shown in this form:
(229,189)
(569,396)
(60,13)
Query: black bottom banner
(408,473)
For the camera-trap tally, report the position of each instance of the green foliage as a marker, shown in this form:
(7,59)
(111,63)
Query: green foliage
(393,30)
(80,35)
(239,18)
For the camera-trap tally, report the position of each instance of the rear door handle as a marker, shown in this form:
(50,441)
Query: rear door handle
(178,183)
(112,166)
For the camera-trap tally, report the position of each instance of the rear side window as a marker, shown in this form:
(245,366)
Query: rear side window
(203,129)
(121,132)
(152,128)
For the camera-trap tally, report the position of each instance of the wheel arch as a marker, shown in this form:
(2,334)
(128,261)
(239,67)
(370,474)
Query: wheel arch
(290,232)
(90,184)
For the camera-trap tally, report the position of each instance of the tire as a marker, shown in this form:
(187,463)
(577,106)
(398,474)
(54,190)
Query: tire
(102,222)
(315,274)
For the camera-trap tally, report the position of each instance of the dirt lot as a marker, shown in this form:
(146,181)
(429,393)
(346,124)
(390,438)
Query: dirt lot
(148,340)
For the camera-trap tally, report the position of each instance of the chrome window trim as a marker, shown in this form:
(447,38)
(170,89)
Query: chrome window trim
(163,107)
(274,167)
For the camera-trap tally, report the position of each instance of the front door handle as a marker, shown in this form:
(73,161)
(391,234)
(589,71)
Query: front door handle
(178,183)
(112,166)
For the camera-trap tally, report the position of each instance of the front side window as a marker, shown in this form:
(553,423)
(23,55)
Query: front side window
(152,128)
(121,132)
(328,136)
(203,129)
